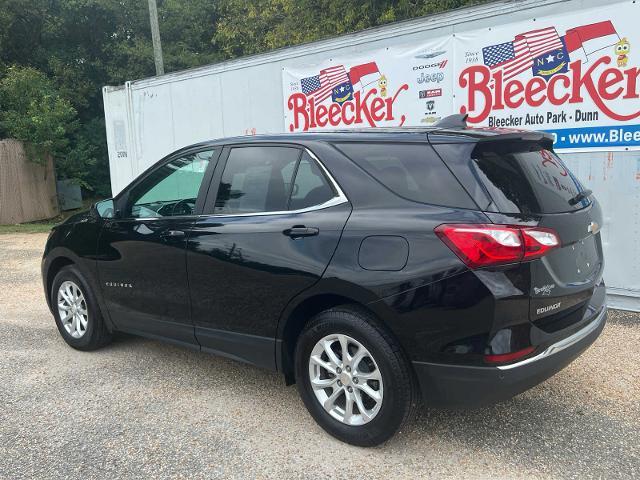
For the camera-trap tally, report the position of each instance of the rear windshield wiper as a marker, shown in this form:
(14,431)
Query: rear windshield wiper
(581,196)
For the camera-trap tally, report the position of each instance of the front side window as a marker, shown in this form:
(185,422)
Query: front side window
(172,189)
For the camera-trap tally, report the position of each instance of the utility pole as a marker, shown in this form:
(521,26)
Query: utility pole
(155,37)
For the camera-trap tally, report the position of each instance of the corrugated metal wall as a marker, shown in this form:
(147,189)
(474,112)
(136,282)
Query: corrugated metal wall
(615,179)
(150,118)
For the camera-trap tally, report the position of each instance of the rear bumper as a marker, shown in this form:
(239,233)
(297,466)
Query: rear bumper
(460,385)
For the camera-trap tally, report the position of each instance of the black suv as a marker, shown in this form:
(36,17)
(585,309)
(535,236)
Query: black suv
(372,268)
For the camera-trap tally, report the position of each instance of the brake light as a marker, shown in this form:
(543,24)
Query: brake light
(508,357)
(484,245)
(538,241)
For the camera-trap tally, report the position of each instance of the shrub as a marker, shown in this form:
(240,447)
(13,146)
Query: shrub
(31,110)
(34,112)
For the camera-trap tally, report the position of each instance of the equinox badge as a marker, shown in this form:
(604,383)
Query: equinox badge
(548,308)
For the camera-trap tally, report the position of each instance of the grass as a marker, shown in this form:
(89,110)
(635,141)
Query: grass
(44,226)
(35,227)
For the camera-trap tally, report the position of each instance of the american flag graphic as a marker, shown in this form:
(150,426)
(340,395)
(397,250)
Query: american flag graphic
(517,56)
(320,86)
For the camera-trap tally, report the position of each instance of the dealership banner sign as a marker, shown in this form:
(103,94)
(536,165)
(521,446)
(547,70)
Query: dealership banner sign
(388,87)
(576,76)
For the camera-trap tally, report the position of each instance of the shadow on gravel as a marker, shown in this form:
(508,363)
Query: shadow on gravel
(544,434)
(538,433)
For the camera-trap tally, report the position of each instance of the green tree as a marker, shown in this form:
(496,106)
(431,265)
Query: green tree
(82,45)
(252,27)
(31,110)
(78,46)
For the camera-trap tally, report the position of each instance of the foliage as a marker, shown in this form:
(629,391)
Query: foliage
(34,112)
(252,27)
(72,48)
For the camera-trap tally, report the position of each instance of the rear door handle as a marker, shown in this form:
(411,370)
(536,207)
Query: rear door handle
(172,234)
(301,231)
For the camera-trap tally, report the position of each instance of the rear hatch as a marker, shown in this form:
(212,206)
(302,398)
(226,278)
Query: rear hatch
(524,182)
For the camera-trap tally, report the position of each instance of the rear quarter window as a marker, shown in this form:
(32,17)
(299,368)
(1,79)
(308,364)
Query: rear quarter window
(412,171)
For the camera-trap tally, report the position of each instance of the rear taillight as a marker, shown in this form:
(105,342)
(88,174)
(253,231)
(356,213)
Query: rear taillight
(483,245)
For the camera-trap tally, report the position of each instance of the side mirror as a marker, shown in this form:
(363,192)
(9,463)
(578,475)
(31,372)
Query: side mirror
(106,208)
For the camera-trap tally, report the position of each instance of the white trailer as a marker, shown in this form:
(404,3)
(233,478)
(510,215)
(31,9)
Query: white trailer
(148,119)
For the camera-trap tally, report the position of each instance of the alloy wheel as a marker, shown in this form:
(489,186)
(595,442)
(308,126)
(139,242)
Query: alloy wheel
(346,379)
(72,308)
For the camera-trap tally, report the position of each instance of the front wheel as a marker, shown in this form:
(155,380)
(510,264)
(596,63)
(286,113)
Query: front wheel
(76,311)
(353,378)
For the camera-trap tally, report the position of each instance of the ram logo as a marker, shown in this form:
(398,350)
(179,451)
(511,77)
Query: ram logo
(548,308)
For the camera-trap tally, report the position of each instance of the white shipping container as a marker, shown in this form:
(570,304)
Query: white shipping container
(148,119)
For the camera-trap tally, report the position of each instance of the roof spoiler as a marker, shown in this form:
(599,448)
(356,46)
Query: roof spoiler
(543,138)
(457,120)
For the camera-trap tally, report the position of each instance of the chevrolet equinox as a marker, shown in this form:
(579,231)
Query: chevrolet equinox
(374,268)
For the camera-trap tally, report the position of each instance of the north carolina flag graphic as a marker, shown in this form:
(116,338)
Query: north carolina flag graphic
(363,75)
(588,39)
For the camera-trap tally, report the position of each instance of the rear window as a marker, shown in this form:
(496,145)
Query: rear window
(412,171)
(531,181)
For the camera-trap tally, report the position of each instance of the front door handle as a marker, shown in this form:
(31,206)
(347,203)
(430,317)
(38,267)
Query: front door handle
(172,234)
(301,231)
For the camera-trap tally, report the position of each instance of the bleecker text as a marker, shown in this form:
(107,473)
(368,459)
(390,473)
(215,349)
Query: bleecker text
(369,109)
(487,91)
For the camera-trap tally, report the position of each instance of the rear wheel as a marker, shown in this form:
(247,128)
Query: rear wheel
(352,377)
(76,312)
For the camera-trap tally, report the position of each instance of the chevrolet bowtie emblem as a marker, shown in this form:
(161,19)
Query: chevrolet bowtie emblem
(593,228)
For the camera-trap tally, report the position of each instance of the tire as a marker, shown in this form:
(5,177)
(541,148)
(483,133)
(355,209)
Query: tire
(383,359)
(91,332)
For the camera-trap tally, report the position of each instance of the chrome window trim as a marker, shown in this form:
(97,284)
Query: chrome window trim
(147,219)
(339,199)
(562,344)
(331,203)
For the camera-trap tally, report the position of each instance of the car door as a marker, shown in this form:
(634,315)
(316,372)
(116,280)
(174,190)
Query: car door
(142,256)
(273,219)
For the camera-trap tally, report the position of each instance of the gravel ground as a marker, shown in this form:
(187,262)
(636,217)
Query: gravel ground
(140,408)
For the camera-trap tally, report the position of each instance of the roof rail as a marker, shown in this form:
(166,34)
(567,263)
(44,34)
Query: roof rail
(457,120)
